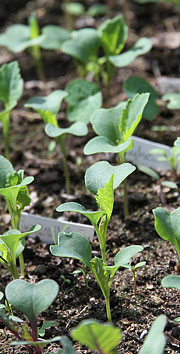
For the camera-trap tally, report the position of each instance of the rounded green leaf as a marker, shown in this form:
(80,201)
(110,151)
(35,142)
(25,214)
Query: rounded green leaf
(72,245)
(54,37)
(50,103)
(74,8)
(11,84)
(171,281)
(103,337)
(177,142)
(134,85)
(31,299)
(100,173)
(124,256)
(102,144)
(173,100)
(97,10)
(78,129)
(167,226)
(142,46)
(84,45)
(6,169)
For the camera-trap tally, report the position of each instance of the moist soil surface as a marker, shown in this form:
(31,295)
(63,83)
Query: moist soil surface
(132,313)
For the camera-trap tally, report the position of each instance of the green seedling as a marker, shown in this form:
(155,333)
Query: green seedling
(174,2)
(134,85)
(172,98)
(172,281)
(83,99)
(48,108)
(13,188)
(12,246)
(167,225)
(154,175)
(11,89)
(110,37)
(172,157)
(36,299)
(115,127)
(76,246)
(133,267)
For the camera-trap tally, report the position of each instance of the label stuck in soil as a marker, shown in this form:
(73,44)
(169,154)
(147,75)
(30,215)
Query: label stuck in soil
(47,224)
(140,154)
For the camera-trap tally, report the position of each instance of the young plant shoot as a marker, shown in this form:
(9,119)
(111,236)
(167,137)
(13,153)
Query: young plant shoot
(48,108)
(172,157)
(115,127)
(167,225)
(13,188)
(11,89)
(36,299)
(110,37)
(172,281)
(101,179)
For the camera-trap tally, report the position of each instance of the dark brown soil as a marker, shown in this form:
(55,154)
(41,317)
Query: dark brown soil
(133,314)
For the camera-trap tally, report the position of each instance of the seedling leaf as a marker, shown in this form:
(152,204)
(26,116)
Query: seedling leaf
(167,226)
(142,46)
(173,99)
(5,171)
(54,37)
(134,85)
(171,281)
(155,341)
(36,297)
(93,216)
(100,173)
(11,84)
(73,245)
(103,337)
(77,128)
(103,144)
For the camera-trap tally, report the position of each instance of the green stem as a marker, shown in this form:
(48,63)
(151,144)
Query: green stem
(15,272)
(121,157)
(61,140)
(6,135)
(36,54)
(108,310)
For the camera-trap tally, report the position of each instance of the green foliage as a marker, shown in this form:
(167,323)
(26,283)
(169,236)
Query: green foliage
(103,337)
(83,99)
(171,281)
(11,88)
(174,2)
(156,340)
(172,156)
(74,8)
(134,85)
(54,37)
(167,226)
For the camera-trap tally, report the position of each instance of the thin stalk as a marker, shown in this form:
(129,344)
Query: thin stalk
(5,127)
(36,54)
(61,140)
(108,310)
(14,270)
(121,157)
(135,285)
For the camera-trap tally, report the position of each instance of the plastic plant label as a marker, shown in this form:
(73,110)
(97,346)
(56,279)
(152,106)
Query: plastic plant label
(47,224)
(140,154)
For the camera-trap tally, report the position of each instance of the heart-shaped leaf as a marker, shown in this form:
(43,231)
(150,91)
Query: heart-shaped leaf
(103,337)
(155,341)
(78,129)
(31,299)
(171,281)
(100,173)
(167,226)
(134,85)
(47,106)
(54,37)
(11,84)
(18,37)
(124,256)
(84,45)
(173,100)
(142,46)
(97,10)
(93,216)
(84,98)
(5,171)
(74,8)
(113,34)
(73,245)
(102,144)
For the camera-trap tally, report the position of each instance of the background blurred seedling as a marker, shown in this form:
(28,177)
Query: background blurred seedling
(11,89)
(48,108)
(172,281)
(172,157)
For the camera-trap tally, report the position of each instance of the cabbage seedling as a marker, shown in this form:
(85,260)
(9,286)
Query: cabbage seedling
(11,89)
(115,127)
(11,247)
(36,299)
(13,188)
(172,157)
(75,245)
(48,108)
(167,226)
